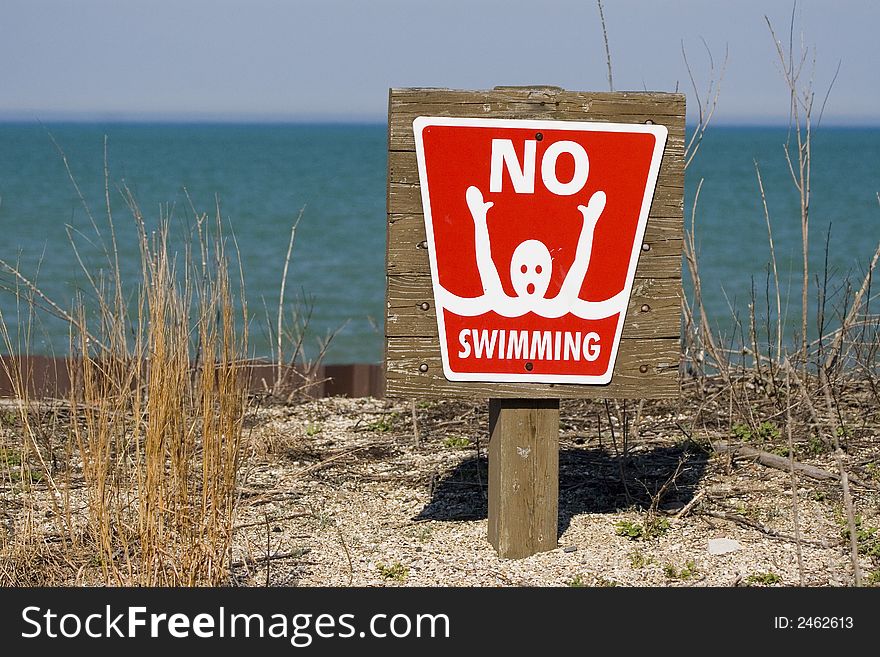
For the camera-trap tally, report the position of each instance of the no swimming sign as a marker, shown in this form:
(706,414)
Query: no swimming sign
(534,230)
(534,243)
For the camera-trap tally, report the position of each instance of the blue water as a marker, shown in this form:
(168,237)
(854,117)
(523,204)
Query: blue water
(731,227)
(262,175)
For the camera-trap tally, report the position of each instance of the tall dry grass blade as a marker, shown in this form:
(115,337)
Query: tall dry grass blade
(857,307)
(795,503)
(280,315)
(607,48)
(772,261)
(801,98)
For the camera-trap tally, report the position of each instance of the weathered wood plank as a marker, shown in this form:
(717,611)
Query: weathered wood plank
(408,254)
(401,133)
(407,199)
(400,124)
(403,169)
(523,476)
(645,369)
(402,140)
(406,104)
(583,102)
(654,309)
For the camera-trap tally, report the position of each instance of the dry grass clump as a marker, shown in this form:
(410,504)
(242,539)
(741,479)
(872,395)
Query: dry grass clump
(152,431)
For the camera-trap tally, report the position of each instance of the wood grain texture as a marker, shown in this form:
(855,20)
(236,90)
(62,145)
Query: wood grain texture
(403,170)
(406,104)
(523,476)
(658,358)
(407,199)
(647,363)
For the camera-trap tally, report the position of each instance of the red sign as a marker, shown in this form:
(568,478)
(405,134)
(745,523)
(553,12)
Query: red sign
(534,232)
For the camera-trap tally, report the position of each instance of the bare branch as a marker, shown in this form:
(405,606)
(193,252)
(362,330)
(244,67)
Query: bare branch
(713,92)
(828,93)
(607,49)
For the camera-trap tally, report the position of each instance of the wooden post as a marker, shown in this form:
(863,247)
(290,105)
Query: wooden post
(523,476)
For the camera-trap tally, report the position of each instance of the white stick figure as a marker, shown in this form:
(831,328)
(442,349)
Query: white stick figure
(530,269)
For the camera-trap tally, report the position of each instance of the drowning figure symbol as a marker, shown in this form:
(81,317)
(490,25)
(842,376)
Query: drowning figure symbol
(530,271)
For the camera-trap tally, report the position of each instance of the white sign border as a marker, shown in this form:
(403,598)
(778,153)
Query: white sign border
(660,133)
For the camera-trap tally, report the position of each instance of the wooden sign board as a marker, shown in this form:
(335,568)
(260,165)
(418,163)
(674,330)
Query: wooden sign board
(647,357)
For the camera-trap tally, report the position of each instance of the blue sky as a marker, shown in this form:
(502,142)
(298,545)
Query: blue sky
(303,60)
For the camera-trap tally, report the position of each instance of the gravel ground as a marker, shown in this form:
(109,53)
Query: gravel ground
(337,493)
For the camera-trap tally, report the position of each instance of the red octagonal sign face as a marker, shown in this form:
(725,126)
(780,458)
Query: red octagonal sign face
(534,231)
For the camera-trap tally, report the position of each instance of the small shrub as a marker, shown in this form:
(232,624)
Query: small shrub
(383,424)
(639,559)
(868,538)
(605,582)
(313,428)
(869,542)
(764,579)
(457,442)
(815,446)
(630,530)
(689,571)
(765,432)
(396,571)
(577,582)
(10,458)
(656,526)
(652,527)
(768,432)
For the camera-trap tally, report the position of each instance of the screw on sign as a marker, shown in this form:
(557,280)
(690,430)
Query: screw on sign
(534,231)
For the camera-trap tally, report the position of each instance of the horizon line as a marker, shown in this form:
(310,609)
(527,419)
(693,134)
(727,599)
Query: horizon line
(96,118)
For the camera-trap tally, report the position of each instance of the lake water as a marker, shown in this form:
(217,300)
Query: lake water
(263,175)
